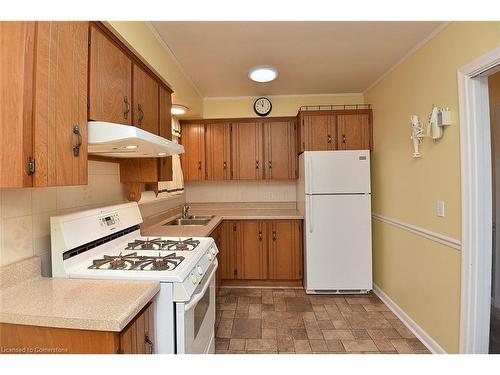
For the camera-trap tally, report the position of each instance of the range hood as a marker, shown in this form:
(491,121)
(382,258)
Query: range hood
(125,141)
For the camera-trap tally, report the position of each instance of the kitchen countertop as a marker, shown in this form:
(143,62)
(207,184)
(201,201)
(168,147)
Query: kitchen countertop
(221,213)
(101,305)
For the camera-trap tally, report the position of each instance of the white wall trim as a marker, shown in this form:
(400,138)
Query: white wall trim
(433,33)
(340,94)
(418,331)
(475,154)
(437,237)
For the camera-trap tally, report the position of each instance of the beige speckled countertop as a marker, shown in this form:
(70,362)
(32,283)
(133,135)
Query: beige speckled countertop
(221,212)
(102,305)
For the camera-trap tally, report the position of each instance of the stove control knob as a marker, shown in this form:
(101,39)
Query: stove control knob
(209,256)
(200,270)
(214,251)
(194,279)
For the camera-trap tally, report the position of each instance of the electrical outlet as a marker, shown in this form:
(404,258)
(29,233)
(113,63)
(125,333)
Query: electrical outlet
(440,208)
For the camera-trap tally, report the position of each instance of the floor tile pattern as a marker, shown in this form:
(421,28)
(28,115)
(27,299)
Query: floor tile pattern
(254,320)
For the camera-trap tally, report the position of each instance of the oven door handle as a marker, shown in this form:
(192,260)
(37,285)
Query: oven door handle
(196,297)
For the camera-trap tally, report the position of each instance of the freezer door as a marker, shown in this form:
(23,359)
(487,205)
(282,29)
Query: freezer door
(338,246)
(337,172)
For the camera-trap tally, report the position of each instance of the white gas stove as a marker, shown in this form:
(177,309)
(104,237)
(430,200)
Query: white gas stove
(105,243)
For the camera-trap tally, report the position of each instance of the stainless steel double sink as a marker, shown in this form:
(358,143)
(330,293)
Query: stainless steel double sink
(192,220)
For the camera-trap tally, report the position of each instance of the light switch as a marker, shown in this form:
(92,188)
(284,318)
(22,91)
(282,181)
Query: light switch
(440,208)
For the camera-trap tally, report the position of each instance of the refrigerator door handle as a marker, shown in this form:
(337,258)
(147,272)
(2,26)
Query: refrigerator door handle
(311,228)
(310,165)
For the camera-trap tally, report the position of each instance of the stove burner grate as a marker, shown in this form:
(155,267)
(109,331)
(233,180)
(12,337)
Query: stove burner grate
(134,262)
(182,245)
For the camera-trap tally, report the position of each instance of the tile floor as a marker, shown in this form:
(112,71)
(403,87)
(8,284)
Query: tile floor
(254,320)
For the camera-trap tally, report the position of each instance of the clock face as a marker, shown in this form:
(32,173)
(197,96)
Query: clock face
(262,106)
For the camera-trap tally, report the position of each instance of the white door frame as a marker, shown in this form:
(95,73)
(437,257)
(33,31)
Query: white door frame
(475,151)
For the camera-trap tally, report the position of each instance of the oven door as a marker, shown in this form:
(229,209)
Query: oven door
(195,319)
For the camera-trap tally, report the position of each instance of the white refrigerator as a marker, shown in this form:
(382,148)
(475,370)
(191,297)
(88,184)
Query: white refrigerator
(334,196)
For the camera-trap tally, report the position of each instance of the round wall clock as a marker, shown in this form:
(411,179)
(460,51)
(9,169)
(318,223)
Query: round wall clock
(262,106)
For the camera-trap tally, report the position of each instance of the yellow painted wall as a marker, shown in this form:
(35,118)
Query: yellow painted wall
(139,37)
(420,276)
(283,105)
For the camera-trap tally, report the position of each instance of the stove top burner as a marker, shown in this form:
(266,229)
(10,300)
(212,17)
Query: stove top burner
(187,244)
(134,262)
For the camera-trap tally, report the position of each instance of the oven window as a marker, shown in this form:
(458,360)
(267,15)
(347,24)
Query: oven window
(200,311)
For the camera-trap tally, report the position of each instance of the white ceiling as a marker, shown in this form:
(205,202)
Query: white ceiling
(311,57)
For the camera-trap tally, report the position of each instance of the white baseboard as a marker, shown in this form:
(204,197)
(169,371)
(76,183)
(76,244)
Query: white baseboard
(423,336)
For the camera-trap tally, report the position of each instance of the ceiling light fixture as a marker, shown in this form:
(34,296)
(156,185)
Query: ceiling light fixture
(131,147)
(178,109)
(263,73)
(162,154)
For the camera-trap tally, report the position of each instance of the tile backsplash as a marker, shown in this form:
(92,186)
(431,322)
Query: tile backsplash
(241,191)
(25,213)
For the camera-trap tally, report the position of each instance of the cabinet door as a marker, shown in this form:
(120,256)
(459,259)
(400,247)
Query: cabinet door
(252,262)
(16,75)
(285,256)
(228,238)
(247,151)
(110,80)
(218,146)
(165,164)
(193,158)
(60,116)
(145,109)
(354,131)
(280,156)
(319,132)
(138,336)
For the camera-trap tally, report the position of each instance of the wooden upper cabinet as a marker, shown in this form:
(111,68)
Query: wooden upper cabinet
(318,132)
(193,158)
(110,80)
(252,259)
(60,104)
(218,151)
(165,131)
(285,254)
(16,75)
(247,151)
(279,149)
(145,108)
(354,131)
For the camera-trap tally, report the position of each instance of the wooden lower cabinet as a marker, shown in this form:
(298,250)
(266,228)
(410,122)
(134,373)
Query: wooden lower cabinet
(259,250)
(136,338)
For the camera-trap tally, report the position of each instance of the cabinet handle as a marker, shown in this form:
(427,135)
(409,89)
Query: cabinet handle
(343,138)
(270,164)
(76,148)
(224,164)
(199,165)
(329,138)
(260,235)
(141,114)
(256,164)
(149,345)
(127,107)
(274,236)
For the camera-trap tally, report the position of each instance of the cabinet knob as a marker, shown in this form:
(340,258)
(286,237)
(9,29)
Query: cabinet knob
(260,235)
(343,138)
(199,165)
(270,164)
(224,164)
(76,148)
(127,107)
(149,345)
(274,236)
(329,138)
(256,164)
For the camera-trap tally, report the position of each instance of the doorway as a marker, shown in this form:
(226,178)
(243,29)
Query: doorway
(494,104)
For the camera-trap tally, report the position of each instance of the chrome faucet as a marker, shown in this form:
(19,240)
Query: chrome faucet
(185,211)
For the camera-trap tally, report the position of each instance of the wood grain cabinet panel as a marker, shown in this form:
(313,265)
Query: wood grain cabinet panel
(285,252)
(247,149)
(17,41)
(138,336)
(354,131)
(218,151)
(319,132)
(193,160)
(228,250)
(145,108)
(110,80)
(165,131)
(60,104)
(280,161)
(252,257)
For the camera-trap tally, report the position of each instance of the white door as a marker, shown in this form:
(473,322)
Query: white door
(338,247)
(337,172)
